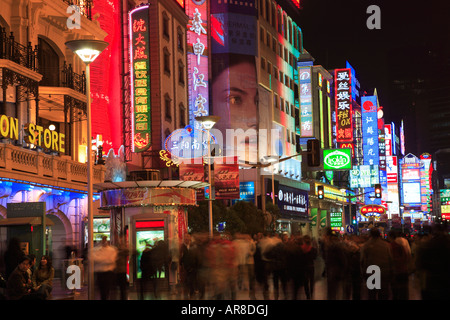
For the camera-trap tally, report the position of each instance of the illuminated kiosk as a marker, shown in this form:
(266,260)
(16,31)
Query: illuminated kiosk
(146,212)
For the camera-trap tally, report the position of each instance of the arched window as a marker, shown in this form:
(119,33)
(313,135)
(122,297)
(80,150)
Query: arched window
(48,61)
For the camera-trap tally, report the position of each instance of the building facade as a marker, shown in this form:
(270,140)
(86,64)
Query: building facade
(43,111)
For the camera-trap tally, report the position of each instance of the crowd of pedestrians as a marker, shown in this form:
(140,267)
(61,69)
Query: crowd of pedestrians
(261,266)
(372,266)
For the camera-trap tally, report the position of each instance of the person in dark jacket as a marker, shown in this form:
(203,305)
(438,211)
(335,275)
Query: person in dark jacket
(19,285)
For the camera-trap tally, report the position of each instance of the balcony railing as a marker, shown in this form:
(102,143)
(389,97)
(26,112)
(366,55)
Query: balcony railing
(73,80)
(15,159)
(25,56)
(84,5)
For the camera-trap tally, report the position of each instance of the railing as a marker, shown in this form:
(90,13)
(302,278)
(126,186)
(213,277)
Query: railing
(84,5)
(73,80)
(25,56)
(60,168)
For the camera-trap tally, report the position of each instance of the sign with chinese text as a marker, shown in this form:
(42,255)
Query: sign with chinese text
(292,201)
(372,210)
(197,60)
(343,105)
(336,220)
(226,178)
(140,77)
(364,176)
(305,94)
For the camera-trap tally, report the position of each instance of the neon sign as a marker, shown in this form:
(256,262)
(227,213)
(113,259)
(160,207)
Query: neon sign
(372,210)
(305,94)
(140,77)
(197,60)
(343,98)
(337,159)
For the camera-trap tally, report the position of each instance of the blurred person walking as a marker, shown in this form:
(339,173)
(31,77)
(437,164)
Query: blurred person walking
(104,257)
(222,264)
(377,252)
(189,263)
(310,255)
(123,254)
(401,261)
(336,264)
(433,261)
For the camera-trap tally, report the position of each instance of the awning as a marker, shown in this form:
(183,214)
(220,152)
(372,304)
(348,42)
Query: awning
(150,184)
(34,221)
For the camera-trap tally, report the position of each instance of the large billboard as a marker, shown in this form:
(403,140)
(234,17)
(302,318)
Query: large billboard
(234,85)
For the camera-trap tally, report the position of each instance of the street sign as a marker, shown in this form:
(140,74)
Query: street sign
(337,159)
(350,229)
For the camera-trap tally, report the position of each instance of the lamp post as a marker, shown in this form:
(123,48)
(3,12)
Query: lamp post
(208,122)
(88,50)
(272,160)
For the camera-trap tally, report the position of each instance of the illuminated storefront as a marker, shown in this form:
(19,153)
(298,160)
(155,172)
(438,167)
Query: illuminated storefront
(147,212)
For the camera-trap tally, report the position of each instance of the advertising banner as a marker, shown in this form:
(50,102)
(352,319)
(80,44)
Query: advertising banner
(226,179)
(292,201)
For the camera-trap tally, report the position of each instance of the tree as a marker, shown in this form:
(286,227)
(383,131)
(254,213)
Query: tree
(252,218)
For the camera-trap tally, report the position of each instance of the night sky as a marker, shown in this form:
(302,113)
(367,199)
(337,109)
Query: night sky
(336,31)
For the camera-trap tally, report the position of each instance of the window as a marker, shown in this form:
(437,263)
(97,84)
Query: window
(261,34)
(180,72)
(268,39)
(182,115)
(263,63)
(275,72)
(274,45)
(180,39)
(166,61)
(287,108)
(275,101)
(281,104)
(165,26)
(168,107)
(48,61)
(269,67)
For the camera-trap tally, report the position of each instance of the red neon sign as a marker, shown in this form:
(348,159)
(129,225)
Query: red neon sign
(343,105)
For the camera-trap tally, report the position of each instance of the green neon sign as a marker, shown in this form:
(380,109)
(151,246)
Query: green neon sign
(337,159)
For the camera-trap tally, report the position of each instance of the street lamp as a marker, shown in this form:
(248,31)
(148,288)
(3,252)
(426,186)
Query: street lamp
(208,122)
(88,50)
(272,160)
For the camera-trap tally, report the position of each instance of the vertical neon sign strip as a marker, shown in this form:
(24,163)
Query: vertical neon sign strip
(197,60)
(306,114)
(140,77)
(343,99)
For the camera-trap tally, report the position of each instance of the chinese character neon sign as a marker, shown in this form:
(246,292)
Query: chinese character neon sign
(140,77)
(305,94)
(343,98)
(197,60)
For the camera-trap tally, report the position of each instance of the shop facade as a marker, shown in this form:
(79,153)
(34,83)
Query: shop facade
(148,214)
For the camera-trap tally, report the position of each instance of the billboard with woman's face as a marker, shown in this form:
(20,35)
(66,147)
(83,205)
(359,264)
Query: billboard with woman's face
(235,84)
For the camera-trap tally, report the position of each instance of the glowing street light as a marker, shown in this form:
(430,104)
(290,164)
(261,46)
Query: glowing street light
(88,50)
(208,122)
